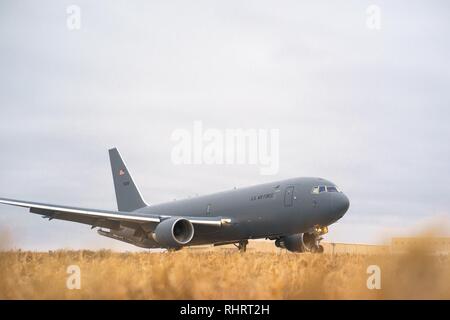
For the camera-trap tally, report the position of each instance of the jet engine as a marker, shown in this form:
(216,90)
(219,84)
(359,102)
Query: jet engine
(174,233)
(301,242)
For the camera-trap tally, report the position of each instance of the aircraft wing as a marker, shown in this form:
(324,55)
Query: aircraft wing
(104,218)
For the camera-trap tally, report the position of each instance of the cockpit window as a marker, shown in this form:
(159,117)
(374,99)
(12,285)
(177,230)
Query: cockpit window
(320,189)
(332,189)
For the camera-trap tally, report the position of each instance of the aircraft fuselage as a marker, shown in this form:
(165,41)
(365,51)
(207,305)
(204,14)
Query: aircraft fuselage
(262,211)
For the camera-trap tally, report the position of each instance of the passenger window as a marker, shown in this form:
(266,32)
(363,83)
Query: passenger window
(331,189)
(208,210)
(322,189)
(315,190)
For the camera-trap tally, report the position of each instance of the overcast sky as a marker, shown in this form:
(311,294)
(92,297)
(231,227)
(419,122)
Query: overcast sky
(367,109)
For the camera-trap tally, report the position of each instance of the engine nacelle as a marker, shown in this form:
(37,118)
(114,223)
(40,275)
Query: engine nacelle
(174,233)
(301,242)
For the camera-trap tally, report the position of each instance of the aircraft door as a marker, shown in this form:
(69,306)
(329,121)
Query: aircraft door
(289,196)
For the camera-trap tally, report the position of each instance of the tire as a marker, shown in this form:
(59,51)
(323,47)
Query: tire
(317,249)
(320,249)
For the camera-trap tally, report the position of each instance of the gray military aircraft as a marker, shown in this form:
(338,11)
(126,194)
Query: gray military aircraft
(295,213)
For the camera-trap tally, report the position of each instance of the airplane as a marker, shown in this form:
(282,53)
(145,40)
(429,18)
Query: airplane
(295,213)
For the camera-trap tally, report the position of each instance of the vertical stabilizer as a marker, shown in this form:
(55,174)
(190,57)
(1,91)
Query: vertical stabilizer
(127,194)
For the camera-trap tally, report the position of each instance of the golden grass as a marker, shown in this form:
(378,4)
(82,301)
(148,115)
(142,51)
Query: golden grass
(221,274)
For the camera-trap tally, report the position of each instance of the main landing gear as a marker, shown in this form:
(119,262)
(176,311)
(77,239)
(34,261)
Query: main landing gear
(242,245)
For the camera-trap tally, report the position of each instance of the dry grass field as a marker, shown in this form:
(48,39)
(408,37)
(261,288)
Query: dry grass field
(222,274)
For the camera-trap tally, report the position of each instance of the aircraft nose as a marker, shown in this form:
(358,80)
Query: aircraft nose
(342,205)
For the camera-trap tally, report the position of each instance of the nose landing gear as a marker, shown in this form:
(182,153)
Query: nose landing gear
(318,232)
(317,249)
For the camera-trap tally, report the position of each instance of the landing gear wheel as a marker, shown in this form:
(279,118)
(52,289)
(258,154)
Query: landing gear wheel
(242,245)
(317,249)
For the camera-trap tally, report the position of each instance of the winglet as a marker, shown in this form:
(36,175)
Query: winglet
(128,195)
